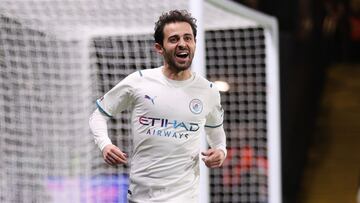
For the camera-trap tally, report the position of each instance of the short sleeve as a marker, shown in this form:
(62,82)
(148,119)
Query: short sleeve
(118,98)
(215,118)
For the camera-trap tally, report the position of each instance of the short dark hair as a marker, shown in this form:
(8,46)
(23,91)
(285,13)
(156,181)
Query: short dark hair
(172,17)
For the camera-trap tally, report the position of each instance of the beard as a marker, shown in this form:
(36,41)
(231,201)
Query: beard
(178,64)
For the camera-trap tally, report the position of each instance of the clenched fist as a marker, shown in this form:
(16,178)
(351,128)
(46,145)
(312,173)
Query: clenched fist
(214,158)
(113,155)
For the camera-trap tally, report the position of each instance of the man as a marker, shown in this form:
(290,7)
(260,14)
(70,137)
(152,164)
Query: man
(170,105)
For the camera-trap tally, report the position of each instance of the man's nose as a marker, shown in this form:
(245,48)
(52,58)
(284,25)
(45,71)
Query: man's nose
(182,43)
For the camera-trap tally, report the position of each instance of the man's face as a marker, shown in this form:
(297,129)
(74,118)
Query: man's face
(178,46)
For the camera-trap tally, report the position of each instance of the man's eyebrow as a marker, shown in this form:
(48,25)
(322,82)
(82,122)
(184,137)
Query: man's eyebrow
(177,35)
(174,35)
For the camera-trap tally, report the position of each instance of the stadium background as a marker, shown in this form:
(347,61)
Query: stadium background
(319,73)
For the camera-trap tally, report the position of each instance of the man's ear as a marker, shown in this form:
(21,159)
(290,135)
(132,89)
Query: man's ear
(159,49)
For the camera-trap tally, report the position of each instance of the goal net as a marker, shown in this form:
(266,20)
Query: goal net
(58,56)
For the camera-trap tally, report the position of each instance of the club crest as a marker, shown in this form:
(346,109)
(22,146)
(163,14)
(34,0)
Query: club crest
(196,106)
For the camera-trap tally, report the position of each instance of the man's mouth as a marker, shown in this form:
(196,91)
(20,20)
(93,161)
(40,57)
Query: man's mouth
(182,55)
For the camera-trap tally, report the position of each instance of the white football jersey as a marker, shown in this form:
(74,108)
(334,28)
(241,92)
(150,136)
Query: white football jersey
(167,117)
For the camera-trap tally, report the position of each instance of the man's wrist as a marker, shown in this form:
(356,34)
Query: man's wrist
(104,144)
(223,150)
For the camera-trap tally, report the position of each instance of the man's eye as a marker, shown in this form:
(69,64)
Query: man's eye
(172,40)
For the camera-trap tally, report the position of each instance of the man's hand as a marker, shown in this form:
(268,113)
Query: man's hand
(113,155)
(214,158)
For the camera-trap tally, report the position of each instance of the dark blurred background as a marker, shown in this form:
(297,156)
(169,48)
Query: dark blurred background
(319,41)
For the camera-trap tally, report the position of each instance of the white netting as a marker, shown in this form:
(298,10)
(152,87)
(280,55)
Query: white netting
(238,57)
(57,57)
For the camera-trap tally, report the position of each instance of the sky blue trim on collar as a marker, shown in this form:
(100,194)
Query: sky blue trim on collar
(102,110)
(213,126)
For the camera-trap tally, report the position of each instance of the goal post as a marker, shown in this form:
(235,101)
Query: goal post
(58,56)
(198,65)
(271,34)
(270,29)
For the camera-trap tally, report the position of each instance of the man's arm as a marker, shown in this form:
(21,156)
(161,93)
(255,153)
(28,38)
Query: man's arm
(215,156)
(111,154)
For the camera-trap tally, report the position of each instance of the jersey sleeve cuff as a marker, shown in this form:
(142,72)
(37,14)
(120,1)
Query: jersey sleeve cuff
(104,143)
(222,148)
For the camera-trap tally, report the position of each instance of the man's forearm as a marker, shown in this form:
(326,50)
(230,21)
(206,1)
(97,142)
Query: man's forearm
(98,126)
(216,138)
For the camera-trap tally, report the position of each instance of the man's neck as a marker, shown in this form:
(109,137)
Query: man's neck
(176,75)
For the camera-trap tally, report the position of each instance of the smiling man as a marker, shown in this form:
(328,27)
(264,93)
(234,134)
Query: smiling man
(177,44)
(170,105)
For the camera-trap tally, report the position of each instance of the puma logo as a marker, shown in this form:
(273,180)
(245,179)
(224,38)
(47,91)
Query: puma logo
(149,98)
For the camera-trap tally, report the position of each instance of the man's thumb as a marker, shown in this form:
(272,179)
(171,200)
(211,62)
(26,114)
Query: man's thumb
(205,153)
